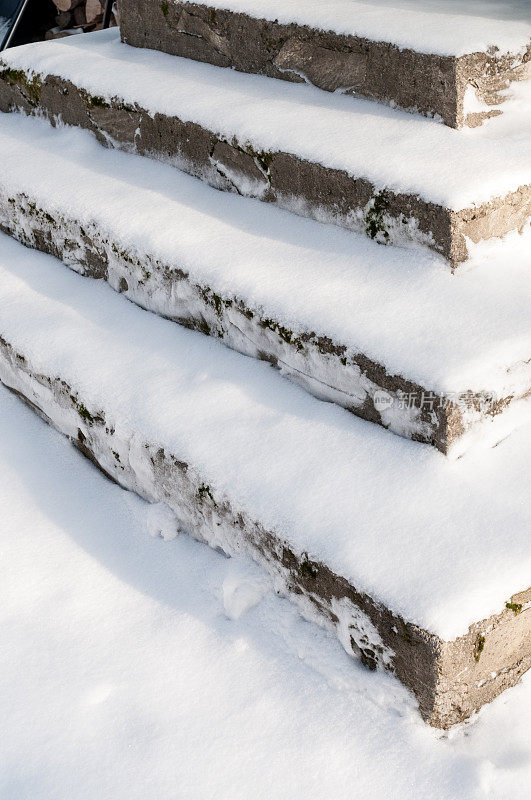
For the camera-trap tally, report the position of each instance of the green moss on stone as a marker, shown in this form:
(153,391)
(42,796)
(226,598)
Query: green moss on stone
(374,219)
(516,607)
(96,101)
(262,157)
(285,334)
(84,413)
(307,569)
(479,646)
(12,75)
(30,85)
(205,491)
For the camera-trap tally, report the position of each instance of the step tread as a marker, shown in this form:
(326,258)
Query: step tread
(452,28)
(451,61)
(391,149)
(442,543)
(451,333)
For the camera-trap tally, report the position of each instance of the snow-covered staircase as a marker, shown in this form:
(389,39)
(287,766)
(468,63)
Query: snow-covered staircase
(395,177)
(421,562)
(434,58)
(427,355)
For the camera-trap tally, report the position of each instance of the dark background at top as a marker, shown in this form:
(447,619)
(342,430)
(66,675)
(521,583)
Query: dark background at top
(38,17)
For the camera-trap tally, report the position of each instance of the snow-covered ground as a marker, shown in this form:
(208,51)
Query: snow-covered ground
(133,667)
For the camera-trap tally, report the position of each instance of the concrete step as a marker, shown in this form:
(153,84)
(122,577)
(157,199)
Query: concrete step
(389,335)
(397,178)
(416,563)
(452,60)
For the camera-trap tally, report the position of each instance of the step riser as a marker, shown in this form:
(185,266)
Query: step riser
(420,660)
(319,363)
(300,186)
(430,84)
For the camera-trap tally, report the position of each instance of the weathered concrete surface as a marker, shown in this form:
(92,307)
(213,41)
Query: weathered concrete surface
(320,363)
(429,84)
(450,679)
(303,187)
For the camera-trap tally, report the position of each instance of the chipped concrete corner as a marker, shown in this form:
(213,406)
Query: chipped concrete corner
(432,85)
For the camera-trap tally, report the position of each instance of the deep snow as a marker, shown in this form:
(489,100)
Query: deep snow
(129,669)
(403,309)
(443,543)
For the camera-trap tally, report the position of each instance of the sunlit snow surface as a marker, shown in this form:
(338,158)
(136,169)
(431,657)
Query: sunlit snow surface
(452,543)
(129,668)
(393,149)
(475,326)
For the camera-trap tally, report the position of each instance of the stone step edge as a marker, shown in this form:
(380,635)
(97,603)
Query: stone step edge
(321,364)
(432,669)
(432,85)
(300,186)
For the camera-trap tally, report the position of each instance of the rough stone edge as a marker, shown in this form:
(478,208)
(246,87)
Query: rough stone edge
(318,362)
(419,82)
(450,680)
(302,187)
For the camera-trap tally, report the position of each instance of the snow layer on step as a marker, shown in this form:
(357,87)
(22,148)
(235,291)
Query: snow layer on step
(442,543)
(446,28)
(402,309)
(392,149)
(124,676)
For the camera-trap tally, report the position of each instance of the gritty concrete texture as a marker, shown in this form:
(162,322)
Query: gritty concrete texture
(303,187)
(450,679)
(430,84)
